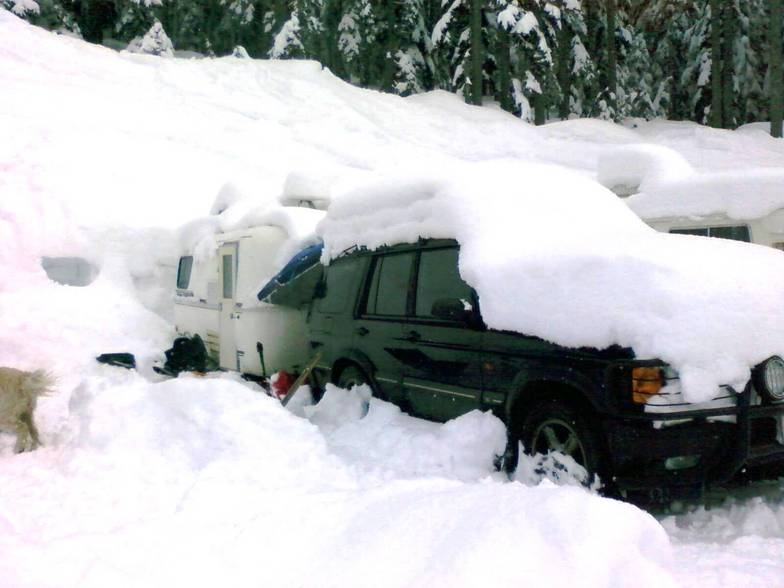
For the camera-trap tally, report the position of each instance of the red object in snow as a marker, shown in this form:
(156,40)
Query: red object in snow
(282,383)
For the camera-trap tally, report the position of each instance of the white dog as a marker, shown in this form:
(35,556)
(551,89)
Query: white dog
(19,392)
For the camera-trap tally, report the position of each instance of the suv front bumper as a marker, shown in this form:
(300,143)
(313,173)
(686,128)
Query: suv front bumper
(639,452)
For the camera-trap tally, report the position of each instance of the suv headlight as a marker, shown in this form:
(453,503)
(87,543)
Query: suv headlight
(769,378)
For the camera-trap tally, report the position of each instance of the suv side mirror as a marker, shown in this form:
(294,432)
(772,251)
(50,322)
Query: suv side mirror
(452,309)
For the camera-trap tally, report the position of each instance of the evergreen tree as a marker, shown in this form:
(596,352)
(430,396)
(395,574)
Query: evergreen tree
(299,35)
(776,82)
(451,42)
(154,42)
(410,47)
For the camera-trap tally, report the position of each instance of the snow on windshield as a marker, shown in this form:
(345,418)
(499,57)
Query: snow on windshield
(555,255)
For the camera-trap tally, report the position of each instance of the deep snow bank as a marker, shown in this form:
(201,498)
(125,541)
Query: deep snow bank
(207,481)
(555,255)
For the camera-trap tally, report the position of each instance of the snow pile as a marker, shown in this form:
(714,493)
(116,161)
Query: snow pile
(555,255)
(742,194)
(378,435)
(206,482)
(317,187)
(629,169)
(210,482)
(714,546)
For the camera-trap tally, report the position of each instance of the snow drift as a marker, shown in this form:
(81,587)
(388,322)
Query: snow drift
(209,482)
(740,195)
(555,255)
(206,482)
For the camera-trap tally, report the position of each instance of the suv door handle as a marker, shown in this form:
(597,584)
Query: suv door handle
(413,336)
(361,331)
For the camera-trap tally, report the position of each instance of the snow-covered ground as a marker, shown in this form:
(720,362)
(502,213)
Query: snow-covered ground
(206,481)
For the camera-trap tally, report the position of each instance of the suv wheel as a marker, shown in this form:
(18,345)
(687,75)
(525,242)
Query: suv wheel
(351,375)
(553,425)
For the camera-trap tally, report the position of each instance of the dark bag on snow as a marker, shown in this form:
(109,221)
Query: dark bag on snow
(187,354)
(123,360)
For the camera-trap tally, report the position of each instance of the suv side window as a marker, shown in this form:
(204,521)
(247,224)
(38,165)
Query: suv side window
(390,284)
(339,283)
(439,278)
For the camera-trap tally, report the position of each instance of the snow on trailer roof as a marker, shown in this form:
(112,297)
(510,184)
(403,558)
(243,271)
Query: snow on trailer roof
(738,195)
(553,254)
(199,237)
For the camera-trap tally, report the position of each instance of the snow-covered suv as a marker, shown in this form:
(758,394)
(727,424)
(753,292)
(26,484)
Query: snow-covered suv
(651,359)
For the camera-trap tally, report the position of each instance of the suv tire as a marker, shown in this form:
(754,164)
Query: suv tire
(351,375)
(553,425)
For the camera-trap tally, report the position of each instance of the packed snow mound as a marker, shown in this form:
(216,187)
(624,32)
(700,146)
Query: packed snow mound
(629,169)
(740,195)
(555,255)
(229,195)
(210,481)
(377,434)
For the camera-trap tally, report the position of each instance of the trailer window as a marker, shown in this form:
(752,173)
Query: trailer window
(228,280)
(184,272)
(734,233)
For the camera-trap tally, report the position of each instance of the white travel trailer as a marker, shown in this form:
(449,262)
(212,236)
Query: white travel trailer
(741,205)
(219,276)
(670,196)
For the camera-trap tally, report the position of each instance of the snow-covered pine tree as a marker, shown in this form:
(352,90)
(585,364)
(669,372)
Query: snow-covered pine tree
(638,93)
(240,52)
(454,64)
(411,49)
(749,56)
(360,29)
(23,8)
(775,74)
(135,18)
(300,35)
(584,87)
(53,15)
(527,30)
(154,42)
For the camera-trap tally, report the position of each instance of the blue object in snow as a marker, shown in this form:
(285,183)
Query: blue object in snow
(298,265)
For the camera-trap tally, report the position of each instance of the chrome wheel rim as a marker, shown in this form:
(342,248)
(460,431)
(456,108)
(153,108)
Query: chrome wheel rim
(558,435)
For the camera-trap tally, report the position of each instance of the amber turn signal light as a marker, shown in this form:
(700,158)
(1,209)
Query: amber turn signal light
(646,382)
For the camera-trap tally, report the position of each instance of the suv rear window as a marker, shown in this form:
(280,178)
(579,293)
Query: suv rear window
(390,284)
(339,283)
(439,278)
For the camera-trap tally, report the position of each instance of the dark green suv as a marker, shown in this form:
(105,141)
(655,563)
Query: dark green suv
(402,320)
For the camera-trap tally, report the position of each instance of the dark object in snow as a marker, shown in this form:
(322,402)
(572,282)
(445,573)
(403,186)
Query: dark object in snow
(123,360)
(187,354)
(295,284)
(69,271)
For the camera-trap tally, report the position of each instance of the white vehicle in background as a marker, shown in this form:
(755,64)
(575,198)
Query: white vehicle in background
(219,276)
(670,196)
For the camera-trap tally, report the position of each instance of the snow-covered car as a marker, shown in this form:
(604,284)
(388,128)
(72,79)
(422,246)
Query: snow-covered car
(650,359)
